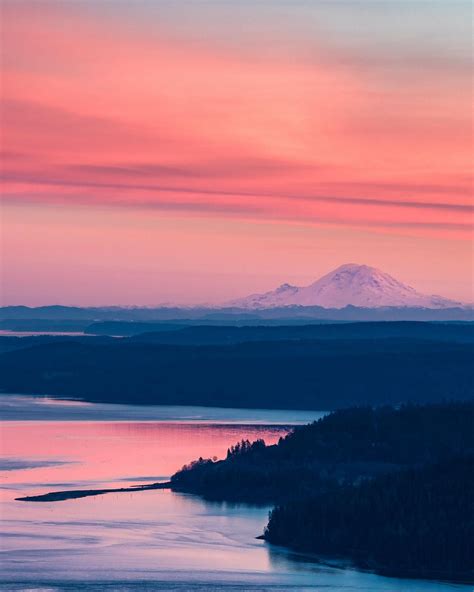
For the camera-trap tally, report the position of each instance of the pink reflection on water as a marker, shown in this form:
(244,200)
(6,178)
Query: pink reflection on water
(95,454)
(153,536)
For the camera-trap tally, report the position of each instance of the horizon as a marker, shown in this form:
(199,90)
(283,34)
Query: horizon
(233,303)
(190,153)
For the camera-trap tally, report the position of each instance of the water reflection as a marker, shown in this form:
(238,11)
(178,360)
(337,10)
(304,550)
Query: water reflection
(40,407)
(150,540)
(106,453)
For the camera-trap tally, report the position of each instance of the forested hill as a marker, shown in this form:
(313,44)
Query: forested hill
(390,488)
(291,374)
(340,448)
(207,334)
(418,522)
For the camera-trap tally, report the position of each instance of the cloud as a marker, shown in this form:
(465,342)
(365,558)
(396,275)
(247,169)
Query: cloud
(93,179)
(105,109)
(17,464)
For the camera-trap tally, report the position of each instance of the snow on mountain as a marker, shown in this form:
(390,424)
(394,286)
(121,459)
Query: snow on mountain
(350,284)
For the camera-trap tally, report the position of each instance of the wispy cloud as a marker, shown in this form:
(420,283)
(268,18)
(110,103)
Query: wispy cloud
(340,115)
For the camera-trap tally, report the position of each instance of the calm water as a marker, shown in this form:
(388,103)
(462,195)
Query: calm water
(8,333)
(151,540)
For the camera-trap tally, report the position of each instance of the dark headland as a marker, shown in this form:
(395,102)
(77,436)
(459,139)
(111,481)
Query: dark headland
(392,489)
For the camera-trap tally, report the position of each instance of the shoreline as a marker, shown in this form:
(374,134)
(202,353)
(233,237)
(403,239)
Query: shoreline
(59,496)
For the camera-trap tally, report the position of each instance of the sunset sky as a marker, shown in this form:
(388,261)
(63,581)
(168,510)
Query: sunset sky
(195,151)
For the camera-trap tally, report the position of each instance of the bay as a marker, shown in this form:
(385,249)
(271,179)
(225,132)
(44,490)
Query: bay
(149,540)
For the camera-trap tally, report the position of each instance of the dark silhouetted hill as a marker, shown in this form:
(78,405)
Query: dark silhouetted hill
(225,335)
(296,374)
(340,448)
(418,522)
(390,488)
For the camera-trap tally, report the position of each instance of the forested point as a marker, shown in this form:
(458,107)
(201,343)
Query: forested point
(342,447)
(390,488)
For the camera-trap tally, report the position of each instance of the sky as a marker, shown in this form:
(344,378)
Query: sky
(194,151)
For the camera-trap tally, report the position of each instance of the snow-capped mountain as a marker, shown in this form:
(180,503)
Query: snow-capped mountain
(350,284)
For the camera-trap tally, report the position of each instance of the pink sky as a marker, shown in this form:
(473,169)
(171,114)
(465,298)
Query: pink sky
(192,152)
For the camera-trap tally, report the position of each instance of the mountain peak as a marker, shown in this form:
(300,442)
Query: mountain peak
(354,267)
(357,269)
(351,284)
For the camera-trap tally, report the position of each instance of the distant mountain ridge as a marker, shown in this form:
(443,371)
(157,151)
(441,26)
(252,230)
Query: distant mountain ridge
(349,293)
(348,285)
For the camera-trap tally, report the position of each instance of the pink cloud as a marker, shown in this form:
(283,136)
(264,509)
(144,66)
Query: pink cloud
(99,111)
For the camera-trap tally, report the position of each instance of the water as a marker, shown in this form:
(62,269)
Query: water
(150,540)
(12,333)
(24,407)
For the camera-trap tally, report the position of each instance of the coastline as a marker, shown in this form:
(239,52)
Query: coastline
(59,496)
